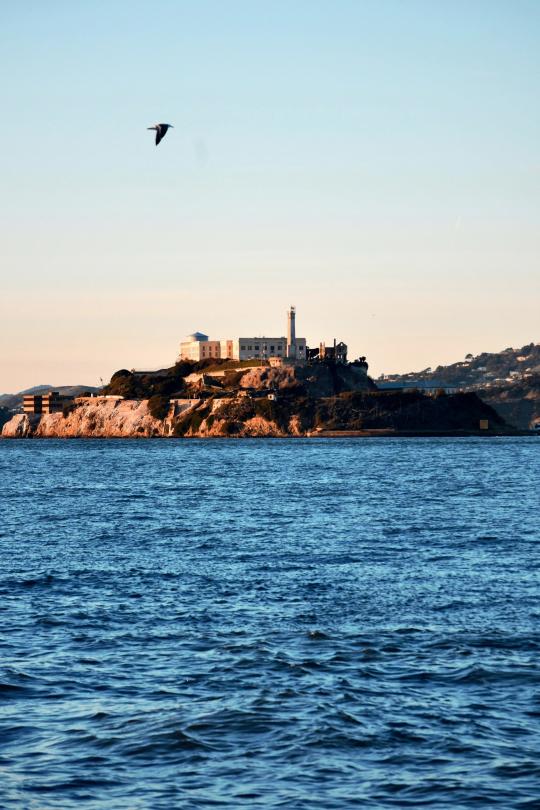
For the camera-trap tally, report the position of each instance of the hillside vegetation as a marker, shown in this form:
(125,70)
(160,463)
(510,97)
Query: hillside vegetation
(508,380)
(482,370)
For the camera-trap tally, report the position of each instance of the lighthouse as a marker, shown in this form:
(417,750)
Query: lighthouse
(291,333)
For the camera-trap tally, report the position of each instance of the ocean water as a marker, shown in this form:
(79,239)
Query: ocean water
(269,623)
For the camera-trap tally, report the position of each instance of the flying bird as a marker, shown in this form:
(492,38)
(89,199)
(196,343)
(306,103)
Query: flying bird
(161,131)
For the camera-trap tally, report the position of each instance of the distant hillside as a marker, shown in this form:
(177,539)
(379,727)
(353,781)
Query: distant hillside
(13,402)
(508,380)
(480,371)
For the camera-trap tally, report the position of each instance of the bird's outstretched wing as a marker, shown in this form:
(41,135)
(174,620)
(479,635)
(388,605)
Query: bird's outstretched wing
(159,134)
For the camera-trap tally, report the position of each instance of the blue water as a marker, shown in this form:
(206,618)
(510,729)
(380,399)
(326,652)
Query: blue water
(266,623)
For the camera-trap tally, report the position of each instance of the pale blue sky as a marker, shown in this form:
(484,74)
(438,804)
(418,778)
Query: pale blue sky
(375,163)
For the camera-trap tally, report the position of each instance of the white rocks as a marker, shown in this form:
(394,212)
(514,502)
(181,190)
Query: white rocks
(20,426)
(92,417)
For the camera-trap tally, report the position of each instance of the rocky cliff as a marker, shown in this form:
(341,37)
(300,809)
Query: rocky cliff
(98,417)
(317,380)
(245,414)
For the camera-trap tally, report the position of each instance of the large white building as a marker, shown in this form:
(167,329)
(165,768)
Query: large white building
(198,347)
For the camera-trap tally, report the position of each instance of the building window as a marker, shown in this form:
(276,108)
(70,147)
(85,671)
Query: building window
(272,348)
(243,348)
(256,348)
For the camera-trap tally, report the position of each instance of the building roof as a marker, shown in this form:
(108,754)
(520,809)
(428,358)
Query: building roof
(198,336)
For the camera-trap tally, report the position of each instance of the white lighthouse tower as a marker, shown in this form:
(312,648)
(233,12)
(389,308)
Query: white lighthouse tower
(291,333)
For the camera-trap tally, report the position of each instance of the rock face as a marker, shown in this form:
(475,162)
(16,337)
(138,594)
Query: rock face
(288,413)
(20,426)
(318,380)
(96,417)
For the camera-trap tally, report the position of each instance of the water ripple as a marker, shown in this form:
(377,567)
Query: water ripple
(310,624)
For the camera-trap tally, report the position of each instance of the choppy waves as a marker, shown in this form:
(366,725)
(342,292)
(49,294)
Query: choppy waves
(276,624)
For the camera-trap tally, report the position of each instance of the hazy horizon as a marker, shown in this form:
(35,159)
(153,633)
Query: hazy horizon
(375,164)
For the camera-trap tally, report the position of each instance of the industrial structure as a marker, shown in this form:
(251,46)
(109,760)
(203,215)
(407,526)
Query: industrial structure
(52,402)
(336,353)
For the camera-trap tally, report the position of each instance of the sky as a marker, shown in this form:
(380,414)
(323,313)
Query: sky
(376,163)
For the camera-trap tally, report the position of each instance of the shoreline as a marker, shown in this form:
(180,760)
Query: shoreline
(345,434)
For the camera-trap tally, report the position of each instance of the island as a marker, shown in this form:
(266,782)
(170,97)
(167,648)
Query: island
(227,398)
(254,386)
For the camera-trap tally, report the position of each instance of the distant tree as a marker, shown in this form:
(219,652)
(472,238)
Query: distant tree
(123,385)
(181,369)
(123,372)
